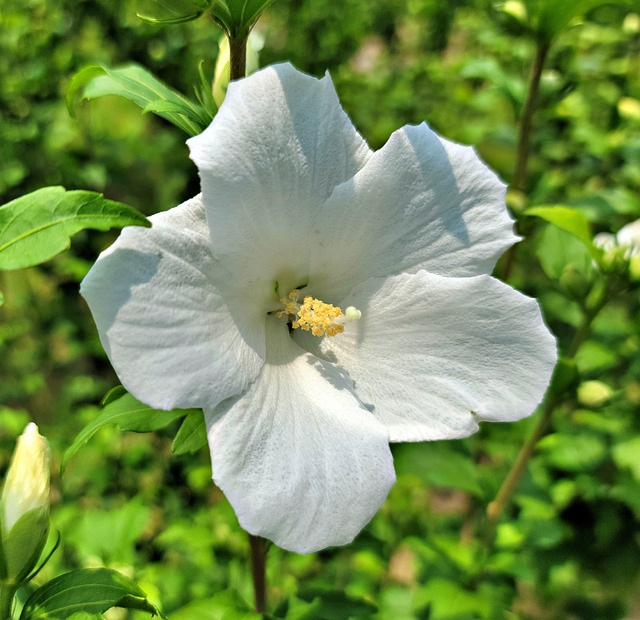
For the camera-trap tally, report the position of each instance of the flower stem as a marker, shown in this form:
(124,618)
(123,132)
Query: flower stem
(237,57)
(524,143)
(7,592)
(259,548)
(552,399)
(526,122)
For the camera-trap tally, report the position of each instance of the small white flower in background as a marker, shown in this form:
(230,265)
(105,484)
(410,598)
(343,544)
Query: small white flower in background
(26,486)
(628,237)
(319,300)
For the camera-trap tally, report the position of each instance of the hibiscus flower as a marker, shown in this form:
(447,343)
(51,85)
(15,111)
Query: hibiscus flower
(319,300)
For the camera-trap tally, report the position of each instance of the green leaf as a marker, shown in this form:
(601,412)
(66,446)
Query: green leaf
(136,84)
(128,414)
(170,11)
(438,464)
(569,220)
(24,543)
(91,591)
(558,251)
(191,436)
(555,15)
(36,227)
(226,605)
(237,17)
(447,599)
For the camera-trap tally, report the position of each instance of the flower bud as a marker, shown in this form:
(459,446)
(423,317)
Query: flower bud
(25,505)
(594,394)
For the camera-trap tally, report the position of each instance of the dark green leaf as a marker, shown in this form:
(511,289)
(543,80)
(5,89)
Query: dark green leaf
(437,464)
(130,415)
(92,591)
(135,83)
(191,436)
(237,17)
(564,376)
(36,227)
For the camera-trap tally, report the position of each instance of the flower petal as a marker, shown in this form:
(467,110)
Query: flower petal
(274,152)
(434,356)
(421,202)
(171,336)
(300,460)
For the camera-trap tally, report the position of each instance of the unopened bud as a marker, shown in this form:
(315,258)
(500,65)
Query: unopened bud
(27,483)
(594,394)
(24,515)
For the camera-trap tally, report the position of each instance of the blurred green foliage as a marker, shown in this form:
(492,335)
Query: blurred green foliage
(569,544)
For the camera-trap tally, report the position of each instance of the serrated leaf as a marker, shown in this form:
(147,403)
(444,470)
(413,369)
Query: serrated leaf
(92,591)
(128,414)
(569,220)
(36,227)
(138,85)
(237,17)
(170,11)
(191,436)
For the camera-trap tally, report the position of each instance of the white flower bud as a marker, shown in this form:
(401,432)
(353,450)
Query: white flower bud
(27,483)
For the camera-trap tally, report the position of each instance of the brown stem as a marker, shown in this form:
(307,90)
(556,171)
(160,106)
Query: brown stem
(237,58)
(259,547)
(524,136)
(508,487)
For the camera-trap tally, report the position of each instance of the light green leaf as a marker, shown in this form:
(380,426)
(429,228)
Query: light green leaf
(191,436)
(170,11)
(92,591)
(570,220)
(226,605)
(135,83)
(554,15)
(130,415)
(237,17)
(36,227)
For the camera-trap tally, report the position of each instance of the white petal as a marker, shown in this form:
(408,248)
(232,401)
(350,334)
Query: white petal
(421,202)
(300,460)
(274,152)
(432,356)
(170,334)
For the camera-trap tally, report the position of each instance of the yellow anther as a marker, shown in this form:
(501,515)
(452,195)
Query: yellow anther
(316,316)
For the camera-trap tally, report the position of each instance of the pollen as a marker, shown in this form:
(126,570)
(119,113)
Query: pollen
(315,316)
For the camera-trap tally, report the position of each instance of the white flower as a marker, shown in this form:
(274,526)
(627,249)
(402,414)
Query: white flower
(298,215)
(26,486)
(628,237)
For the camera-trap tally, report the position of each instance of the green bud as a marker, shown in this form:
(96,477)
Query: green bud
(594,394)
(576,283)
(24,505)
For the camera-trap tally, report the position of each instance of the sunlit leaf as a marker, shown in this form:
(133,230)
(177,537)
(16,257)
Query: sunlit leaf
(570,220)
(92,591)
(226,605)
(170,11)
(136,84)
(237,17)
(191,436)
(130,415)
(36,227)
(554,16)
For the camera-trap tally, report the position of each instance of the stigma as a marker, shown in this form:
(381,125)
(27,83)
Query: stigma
(316,316)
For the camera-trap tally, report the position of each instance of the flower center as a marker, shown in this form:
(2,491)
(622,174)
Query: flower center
(316,316)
